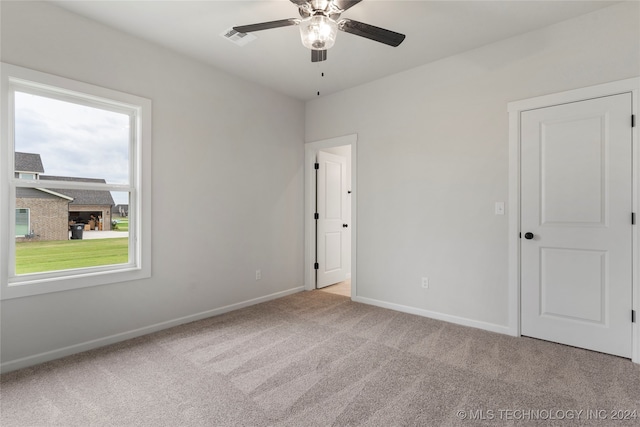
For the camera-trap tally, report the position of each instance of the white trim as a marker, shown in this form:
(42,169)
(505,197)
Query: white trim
(515,109)
(36,359)
(72,185)
(492,327)
(61,88)
(53,193)
(513,274)
(311,150)
(139,110)
(605,89)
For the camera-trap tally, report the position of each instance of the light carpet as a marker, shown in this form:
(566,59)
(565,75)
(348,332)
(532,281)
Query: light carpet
(318,359)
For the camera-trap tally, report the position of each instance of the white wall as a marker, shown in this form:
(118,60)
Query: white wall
(227,186)
(433,159)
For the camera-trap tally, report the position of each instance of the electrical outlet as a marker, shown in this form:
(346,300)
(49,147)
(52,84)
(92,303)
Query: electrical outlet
(258,274)
(425,282)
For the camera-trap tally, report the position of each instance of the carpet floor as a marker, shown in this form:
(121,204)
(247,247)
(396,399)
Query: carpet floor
(318,359)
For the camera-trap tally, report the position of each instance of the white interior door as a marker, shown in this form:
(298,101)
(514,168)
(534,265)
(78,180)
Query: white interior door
(576,204)
(332,224)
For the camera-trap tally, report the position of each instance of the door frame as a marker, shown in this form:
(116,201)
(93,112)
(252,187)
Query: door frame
(310,153)
(515,109)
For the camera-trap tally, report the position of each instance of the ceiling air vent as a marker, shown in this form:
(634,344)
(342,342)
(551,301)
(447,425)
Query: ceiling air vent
(238,38)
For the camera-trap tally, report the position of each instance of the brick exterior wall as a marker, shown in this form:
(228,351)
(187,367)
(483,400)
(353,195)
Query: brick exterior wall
(48,218)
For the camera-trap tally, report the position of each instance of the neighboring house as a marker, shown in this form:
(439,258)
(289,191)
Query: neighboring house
(87,203)
(28,166)
(45,213)
(41,214)
(122,210)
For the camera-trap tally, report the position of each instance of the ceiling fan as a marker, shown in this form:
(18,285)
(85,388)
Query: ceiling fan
(319,23)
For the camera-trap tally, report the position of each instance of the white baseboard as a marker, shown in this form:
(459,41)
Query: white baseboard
(492,327)
(35,359)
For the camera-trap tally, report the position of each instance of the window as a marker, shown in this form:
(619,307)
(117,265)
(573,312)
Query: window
(22,222)
(76,151)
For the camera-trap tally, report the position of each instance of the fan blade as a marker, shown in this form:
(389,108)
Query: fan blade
(345,4)
(266,25)
(378,34)
(318,55)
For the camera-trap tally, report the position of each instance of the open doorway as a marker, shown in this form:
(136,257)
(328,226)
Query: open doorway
(340,288)
(330,225)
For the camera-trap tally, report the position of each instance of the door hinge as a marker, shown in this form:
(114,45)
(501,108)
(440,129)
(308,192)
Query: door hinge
(316,166)
(316,216)
(633,316)
(633,120)
(316,266)
(633,218)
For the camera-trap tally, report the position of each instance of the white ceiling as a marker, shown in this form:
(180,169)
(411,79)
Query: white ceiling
(277,59)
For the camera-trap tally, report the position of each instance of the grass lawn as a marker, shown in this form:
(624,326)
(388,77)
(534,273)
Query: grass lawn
(37,257)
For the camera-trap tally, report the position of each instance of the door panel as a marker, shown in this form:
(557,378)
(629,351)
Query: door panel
(567,273)
(331,207)
(573,157)
(333,190)
(576,199)
(333,251)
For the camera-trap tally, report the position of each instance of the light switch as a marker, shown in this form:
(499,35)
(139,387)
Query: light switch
(499,208)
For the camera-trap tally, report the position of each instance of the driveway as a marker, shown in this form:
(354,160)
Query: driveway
(93,234)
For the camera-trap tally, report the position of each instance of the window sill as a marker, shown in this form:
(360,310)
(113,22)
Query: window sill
(37,284)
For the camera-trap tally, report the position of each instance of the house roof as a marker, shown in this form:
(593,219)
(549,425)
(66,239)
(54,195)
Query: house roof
(82,197)
(28,162)
(31,162)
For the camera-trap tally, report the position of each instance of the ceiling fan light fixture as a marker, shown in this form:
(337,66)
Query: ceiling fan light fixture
(318,32)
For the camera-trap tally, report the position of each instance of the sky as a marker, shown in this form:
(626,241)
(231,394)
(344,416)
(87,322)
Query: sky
(74,140)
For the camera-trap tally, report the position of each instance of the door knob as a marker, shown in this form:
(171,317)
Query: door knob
(345,225)
(528,236)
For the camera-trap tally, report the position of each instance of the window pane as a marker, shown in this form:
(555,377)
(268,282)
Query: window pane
(120,212)
(71,229)
(71,140)
(22,222)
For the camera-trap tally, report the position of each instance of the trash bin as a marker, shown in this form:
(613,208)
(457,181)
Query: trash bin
(76,231)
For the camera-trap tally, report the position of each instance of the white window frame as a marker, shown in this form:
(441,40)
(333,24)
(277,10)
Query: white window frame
(12,79)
